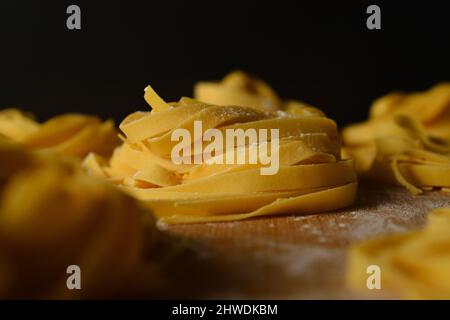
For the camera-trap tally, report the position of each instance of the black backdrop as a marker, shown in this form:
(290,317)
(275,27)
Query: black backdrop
(320,52)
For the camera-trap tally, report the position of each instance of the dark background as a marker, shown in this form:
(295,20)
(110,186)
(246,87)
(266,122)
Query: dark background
(320,52)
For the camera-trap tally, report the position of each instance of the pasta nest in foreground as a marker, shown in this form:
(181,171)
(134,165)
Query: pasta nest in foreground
(52,215)
(311,177)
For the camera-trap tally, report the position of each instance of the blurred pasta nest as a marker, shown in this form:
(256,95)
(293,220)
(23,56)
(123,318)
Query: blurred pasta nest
(405,141)
(53,215)
(70,134)
(415,264)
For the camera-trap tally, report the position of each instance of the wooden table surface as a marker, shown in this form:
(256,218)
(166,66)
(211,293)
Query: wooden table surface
(292,257)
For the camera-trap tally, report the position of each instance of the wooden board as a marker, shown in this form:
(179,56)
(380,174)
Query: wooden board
(292,257)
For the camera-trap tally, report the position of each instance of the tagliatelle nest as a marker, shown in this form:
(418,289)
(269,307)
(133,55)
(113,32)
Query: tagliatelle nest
(406,140)
(415,264)
(69,134)
(53,215)
(311,176)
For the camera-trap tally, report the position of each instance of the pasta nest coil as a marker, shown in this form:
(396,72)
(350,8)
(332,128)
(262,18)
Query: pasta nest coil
(311,177)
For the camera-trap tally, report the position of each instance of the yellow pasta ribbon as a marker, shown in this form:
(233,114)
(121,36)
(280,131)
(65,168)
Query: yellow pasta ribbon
(69,134)
(311,178)
(415,265)
(406,140)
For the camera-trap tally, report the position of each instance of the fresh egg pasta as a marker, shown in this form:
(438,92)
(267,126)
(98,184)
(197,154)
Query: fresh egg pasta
(229,183)
(52,215)
(406,140)
(69,134)
(414,265)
